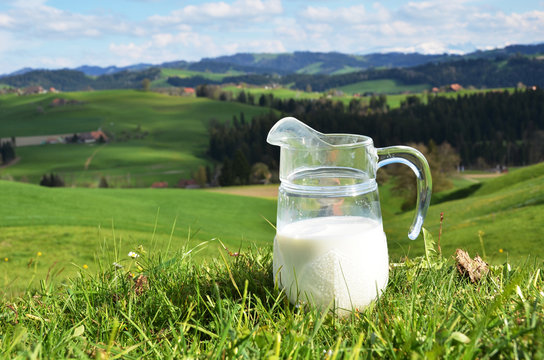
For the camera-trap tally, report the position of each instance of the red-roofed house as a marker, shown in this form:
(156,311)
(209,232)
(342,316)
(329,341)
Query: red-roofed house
(159,185)
(456,87)
(97,134)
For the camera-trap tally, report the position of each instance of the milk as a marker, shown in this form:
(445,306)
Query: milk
(340,261)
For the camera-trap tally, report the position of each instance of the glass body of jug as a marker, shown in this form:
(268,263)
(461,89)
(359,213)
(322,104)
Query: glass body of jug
(330,248)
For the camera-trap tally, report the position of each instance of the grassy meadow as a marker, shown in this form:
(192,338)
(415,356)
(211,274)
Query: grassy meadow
(69,287)
(71,225)
(383,86)
(156,137)
(166,73)
(166,305)
(501,220)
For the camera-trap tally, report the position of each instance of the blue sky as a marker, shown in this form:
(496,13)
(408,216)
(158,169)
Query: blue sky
(68,33)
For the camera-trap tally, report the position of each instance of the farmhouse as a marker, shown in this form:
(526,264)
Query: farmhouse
(188,184)
(93,136)
(34,90)
(188,91)
(159,185)
(455,87)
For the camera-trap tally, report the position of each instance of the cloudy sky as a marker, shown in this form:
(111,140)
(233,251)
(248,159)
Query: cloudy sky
(68,33)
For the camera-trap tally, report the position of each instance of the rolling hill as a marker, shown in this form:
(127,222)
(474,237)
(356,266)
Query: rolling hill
(72,225)
(506,212)
(322,71)
(155,137)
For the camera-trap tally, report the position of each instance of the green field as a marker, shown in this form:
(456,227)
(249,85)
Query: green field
(166,73)
(70,225)
(156,137)
(280,92)
(384,86)
(507,210)
(169,303)
(389,87)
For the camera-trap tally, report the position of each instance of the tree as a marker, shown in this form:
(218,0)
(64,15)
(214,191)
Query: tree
(260,174)
(242,97)
(7,151)
(52,180)
(146,84)
(240,168)
(74,139)
(226,177)
(443,161)
(103,183)
(200,176)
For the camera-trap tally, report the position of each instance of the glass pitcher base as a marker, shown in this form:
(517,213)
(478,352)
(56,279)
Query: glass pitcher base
(340,262)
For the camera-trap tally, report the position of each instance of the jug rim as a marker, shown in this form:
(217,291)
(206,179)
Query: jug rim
(356,140)
(291,133)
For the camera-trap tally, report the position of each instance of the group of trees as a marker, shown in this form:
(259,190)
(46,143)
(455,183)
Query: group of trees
(486,129)
(72,80)
(443,161)
(52,180)
(7,151)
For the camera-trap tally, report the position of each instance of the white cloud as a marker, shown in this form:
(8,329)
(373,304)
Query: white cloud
(6,41)
(240,10)
(36,30)
(431,47)
(33,18)
(432,26)
(55,62)
(167,47)
(6,20)
(289,28)
(350,15)
(262,46)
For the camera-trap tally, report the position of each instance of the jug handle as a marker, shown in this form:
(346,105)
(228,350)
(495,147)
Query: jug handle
(416,161)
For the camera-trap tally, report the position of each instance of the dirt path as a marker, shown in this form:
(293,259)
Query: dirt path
(12,162)
(260,191)
(475,178)
(90,158)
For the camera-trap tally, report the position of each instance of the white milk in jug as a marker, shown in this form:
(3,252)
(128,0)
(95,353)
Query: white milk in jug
(340,261)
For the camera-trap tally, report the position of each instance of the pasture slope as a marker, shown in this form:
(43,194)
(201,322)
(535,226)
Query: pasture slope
(72,225)
(506,212)
(155,137)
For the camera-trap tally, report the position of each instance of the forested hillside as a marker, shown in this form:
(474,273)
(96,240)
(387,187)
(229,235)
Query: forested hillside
(496,128)
(72,80)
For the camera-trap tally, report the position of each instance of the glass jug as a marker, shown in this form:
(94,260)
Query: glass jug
(330,248)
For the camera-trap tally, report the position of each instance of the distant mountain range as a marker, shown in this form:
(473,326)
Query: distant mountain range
(305,62)
(321,71)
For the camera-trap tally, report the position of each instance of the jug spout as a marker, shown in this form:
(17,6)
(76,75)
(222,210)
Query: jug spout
(294,134)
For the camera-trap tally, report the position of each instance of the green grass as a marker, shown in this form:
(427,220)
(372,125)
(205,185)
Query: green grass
(189,73)
(311,69)
(72,223)
(384,86)
(280,93)
(346,70)
(174,133)
(166,305)
(507,209)
(166,73)
(69,225)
